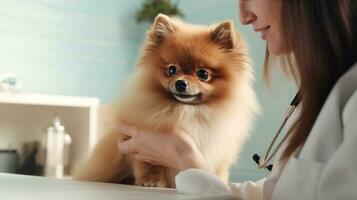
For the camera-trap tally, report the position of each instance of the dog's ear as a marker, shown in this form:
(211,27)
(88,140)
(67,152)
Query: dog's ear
(163,25)
(224,34)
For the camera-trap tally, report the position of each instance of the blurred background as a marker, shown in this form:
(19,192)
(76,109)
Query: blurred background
(62,61)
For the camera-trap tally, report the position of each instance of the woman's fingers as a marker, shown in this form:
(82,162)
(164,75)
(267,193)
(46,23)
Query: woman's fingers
(127,129)
(127,147)
(142,158)
(146,159)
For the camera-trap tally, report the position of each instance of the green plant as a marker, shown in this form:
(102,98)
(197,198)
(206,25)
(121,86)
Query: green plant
(151,8)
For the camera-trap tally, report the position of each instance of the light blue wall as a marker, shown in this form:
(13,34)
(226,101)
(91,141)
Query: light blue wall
(87,47)
(81,47)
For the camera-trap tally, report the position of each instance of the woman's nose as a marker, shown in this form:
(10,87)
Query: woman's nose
(246,15)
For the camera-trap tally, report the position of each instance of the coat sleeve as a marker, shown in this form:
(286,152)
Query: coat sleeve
(339,177)
(202,182)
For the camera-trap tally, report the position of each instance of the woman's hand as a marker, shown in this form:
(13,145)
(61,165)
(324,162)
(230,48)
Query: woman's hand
(175,150)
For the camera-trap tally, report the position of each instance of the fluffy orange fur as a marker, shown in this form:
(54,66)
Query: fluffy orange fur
(216,112)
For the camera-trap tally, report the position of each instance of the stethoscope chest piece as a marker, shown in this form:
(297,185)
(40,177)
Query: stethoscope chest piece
(264,163)
(256,159)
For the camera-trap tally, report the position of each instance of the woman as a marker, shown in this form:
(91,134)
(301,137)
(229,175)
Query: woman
(317,42)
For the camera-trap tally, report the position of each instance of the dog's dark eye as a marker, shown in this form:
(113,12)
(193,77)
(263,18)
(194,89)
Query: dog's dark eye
(203,74)
(171,70)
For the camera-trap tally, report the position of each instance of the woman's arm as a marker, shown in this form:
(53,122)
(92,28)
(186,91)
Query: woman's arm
(177,150)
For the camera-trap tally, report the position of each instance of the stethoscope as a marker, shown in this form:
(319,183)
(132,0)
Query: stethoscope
(264,164)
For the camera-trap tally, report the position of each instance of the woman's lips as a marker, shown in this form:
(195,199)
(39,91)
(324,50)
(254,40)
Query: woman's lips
(263,31)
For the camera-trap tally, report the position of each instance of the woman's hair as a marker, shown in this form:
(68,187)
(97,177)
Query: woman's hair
(322,36)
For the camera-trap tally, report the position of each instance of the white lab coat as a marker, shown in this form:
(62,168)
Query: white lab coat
(325,168)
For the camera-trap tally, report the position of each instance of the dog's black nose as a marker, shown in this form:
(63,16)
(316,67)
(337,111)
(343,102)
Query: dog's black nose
(181,85)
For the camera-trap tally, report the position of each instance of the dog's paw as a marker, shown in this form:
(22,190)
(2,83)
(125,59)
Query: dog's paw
(151,180)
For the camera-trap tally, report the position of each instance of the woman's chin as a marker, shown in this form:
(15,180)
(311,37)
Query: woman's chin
(275,49)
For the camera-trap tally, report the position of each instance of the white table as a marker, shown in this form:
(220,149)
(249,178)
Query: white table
(21,187)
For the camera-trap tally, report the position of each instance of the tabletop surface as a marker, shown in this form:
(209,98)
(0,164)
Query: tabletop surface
(42,188)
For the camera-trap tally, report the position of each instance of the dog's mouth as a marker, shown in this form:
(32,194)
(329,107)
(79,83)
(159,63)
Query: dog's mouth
(187,98)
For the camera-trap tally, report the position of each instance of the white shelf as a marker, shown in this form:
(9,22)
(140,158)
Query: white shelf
(48,100)
(25,116)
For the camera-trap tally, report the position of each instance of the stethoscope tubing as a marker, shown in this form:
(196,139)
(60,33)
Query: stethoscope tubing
(264,164)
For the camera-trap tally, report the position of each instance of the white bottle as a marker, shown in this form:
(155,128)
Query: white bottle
(57,141)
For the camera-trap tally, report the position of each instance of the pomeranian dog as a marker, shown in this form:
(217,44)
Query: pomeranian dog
(189,77)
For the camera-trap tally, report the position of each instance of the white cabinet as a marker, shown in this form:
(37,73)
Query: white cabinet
(24,117)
